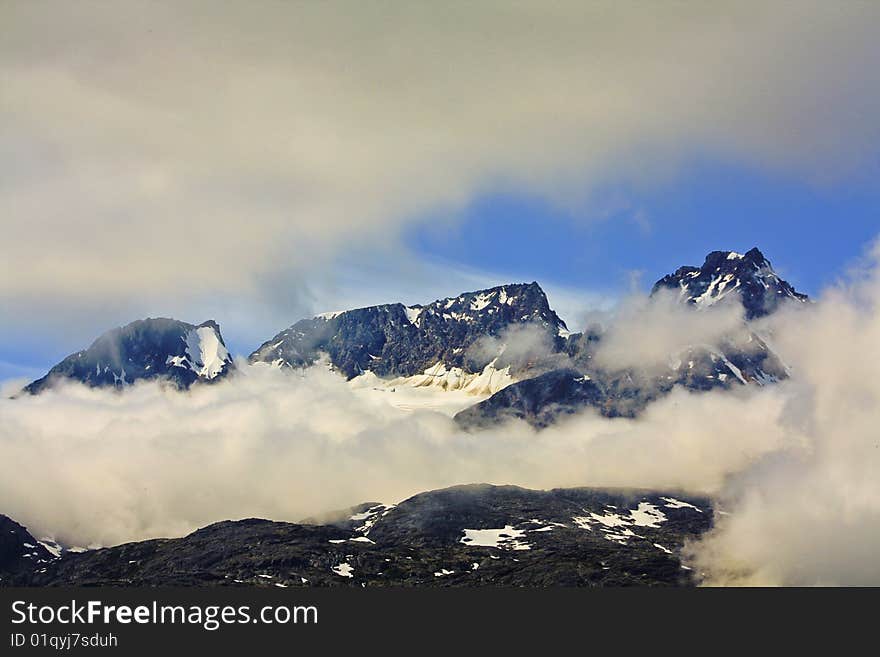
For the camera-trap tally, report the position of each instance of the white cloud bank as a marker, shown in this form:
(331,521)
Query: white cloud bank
(159,154)
(795,464)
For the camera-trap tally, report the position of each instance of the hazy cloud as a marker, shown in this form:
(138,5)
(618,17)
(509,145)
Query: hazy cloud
(649,332)
(155,152)
(810,514)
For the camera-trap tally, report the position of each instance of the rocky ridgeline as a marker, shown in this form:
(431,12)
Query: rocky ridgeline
(475,535)
(462,343)
(394,340)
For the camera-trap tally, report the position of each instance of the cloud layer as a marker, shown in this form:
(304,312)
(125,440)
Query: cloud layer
(167,154)
(95,466)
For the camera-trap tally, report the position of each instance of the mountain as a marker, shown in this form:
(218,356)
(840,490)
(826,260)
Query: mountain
(477,535)
(743,358)
(160,348)
(545,398)
(441,340)
(504,343)
(725,275)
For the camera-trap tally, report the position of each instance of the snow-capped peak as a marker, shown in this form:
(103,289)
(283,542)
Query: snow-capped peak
(748,277)
(151,348)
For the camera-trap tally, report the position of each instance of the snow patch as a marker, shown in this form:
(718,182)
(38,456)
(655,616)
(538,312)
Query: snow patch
(344,569)
(647,515)
(672,503)
(51,545)
(481,301)
(206,355)
(413,314)
(505,538)
(489,381)
(369,518)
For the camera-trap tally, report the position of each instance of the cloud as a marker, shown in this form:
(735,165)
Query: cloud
(518,346)
(810,514)
(648,332)
(93,466)
(180,153)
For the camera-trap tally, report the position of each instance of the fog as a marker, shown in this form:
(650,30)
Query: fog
(646,332)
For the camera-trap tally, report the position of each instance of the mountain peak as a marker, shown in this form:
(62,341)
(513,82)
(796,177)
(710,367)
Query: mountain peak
(151,348)
(398,340)
(747,276)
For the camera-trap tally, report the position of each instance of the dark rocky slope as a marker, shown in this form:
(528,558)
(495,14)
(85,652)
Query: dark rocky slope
(476,535)
(21,555)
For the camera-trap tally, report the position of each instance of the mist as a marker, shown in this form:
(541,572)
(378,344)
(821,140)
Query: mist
(98,467)
(792,465)
(809,514)
(646,332)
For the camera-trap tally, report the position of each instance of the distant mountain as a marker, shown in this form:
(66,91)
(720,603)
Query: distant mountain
(160,348)
(741,359)
(472,536)
(543,399)
(439,340)
(472,342)
(726,275)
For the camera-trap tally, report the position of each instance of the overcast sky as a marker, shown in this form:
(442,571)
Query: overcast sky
(257,162)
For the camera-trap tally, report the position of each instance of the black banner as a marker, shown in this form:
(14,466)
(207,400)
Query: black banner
(146,621)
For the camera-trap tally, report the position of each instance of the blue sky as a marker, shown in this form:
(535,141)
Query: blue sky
(811,234)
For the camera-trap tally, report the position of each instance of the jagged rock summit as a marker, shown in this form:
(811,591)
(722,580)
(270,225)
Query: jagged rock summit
(394,340)
(742,359)
(726,275)
(153,348)
(468,343)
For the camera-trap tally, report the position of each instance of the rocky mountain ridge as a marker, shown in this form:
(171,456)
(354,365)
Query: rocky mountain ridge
(467,343)
(476,535)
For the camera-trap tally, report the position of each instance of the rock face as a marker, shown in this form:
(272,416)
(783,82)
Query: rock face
(539,400)
(21,555)
(476,535)
(159,348)
(726,275)
(394,340)
(543,399)
(739,359)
